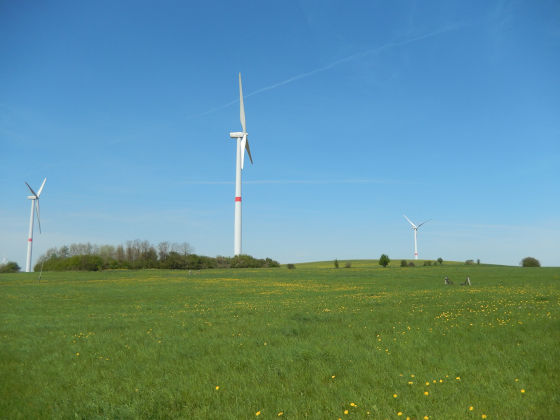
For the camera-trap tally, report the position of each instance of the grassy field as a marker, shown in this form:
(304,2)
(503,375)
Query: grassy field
(313,342)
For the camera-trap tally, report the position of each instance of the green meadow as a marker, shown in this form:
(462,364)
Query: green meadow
(314,342)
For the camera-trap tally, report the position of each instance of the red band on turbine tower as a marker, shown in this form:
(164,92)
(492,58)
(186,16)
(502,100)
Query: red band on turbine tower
(237,198)
(30,240)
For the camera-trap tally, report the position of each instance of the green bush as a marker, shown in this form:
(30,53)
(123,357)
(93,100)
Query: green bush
(9,267)
(427,263)
(440,260)
(384,260)
(335,263)
(404,263)
(291,266)
(348,265)
(530,262)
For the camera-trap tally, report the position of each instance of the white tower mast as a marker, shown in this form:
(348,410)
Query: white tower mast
(34,211)
(242,145)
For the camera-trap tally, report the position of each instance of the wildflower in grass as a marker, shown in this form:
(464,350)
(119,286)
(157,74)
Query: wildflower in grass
(281,413)
(258,413)
(426,417)
(395,395)
(353,405)
(399,413)
(410,382)
(471,408)
(427,384)
(345,411)
(483,416)
(77,354)
(516,380)
(523,391)
(412,375)
(426,393)
(334,376)
(441,381)
(217,387)
(458,378)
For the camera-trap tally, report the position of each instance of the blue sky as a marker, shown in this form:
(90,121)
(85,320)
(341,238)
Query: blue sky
(358,113)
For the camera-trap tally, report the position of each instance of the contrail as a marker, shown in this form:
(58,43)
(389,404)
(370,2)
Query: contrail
(329,66)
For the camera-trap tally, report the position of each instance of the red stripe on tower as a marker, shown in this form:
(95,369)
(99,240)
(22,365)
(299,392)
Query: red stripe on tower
(30,240)
(237,198)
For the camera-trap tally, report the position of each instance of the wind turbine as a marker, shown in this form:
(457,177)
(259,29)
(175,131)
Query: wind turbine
(34,211)
(242,145)
(415,228)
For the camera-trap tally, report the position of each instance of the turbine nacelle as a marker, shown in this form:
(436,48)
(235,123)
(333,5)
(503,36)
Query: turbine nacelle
(238,135)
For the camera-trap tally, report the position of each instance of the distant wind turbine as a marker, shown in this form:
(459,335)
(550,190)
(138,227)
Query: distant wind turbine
(242,145)
(415,229)
(34,211)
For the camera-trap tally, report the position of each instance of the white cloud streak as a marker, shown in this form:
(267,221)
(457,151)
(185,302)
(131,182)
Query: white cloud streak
(371,51)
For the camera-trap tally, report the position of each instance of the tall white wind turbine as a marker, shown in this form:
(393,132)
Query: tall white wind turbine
(242,145)
(415,229)
(34,197)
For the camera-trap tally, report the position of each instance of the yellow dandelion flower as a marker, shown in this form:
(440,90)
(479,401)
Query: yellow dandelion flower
(483,416)
(395,395)
(399,413)
(441,381)
(345,411)
(471,408)
(434,381)
(412,376)
(426,417)
(523,391)
(281,413)
(410,382)
(333,376)
(427,384)
(516,380)
(77,354)
(353,405)
(426,393)
(458,378)
(258,413)
(217,387)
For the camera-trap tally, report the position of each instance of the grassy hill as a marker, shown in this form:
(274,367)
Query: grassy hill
(311,342)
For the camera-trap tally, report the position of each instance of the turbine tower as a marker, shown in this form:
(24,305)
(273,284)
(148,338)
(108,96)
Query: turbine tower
(415,229)
(242,145)
(34,211)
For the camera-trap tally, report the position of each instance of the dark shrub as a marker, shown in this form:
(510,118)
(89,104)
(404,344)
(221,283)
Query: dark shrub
(427,263)
(335,263)
(469,262)
(403,263)
(440,260)
(530,262)
(348,265)
(291,266)
(384,260)
(9,267)
(411,264)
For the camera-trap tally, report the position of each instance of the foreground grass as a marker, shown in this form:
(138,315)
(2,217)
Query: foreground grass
(311,342)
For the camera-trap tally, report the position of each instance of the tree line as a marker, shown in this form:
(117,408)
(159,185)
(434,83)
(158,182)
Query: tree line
(137,255)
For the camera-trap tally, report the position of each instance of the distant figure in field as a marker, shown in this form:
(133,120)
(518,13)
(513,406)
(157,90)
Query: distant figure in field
(447,281)
(467,282)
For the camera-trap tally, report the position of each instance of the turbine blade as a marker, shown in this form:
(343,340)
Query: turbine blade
(37,213)
(41,189)
(424,222)
(31,189)
(248,150)
(413,225)
(241,106)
